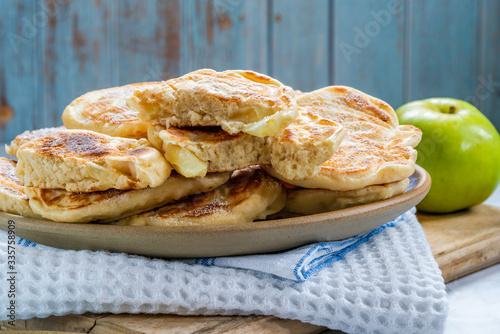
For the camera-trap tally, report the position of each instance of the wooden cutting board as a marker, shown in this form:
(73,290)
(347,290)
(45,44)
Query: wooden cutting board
(462,243)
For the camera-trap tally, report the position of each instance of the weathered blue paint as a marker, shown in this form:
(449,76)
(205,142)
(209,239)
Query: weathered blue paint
(443,48)
(223,34)
(74,47)
(299,43)
(146,40)
(487,91)
(255,48)
(20,69)
(426,48)
(368,39)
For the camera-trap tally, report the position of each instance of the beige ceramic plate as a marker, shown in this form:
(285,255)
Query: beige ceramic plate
(224,240)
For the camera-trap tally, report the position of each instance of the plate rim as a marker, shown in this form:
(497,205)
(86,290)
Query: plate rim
(421,188)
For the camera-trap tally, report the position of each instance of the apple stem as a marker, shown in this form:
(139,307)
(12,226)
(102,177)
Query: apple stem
(452,110)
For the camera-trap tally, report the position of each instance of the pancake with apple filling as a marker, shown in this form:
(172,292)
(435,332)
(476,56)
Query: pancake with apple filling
(375,150)
(106,111)
(27,136)
(86,161)
(297,153)
(12,197)
(83,207)
(236,100)
(250,194)
(311,201)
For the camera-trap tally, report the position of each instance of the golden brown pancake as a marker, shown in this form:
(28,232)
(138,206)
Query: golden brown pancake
(250,194)
(237,101)
(311,201)
(26,136)
(86,161)
(106,111)
(297,153)
(12,196)
(62,206)
(375,149)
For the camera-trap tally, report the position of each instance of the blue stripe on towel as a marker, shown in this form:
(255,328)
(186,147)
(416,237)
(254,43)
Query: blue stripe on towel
(301,274)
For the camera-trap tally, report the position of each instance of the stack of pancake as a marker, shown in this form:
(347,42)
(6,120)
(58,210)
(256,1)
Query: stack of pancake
(208,148)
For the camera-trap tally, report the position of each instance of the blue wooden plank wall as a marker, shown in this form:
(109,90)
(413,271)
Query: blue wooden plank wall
(52,51)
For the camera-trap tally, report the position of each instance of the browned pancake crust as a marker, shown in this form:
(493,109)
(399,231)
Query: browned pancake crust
(238,101)
(237,190)
(53,197)
(370,108)
(82,207)
(12,192)
(9,183)
(243,85)
(81,160)
(250,194)
(76,200)
(375,149)
(27,136)
(359,153)
(106,111)
(81,144)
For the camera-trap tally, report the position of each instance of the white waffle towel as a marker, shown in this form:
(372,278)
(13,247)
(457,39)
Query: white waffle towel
(385,281)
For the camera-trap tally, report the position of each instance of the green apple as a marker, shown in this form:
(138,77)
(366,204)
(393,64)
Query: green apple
(460,149)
